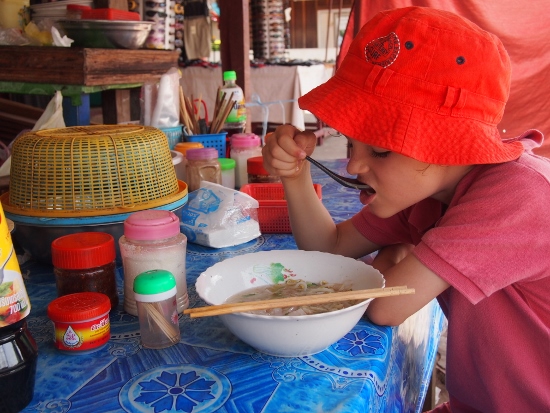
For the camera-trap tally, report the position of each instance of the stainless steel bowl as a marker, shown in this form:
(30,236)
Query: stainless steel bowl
(109,34)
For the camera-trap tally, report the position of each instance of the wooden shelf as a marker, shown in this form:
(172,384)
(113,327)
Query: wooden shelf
(83,66)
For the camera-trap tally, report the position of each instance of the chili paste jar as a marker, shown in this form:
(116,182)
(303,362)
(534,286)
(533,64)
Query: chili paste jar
(85,262)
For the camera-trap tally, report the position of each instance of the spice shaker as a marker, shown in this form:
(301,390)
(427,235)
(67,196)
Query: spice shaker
(152,240)
(202,165)
(227,166)
(85,262)
(182,148)
(244,146)
(155,294)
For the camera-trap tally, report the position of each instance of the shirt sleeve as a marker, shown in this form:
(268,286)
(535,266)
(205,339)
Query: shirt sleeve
(494,233)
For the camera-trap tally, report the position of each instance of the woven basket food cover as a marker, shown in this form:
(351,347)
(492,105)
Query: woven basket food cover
(91,170)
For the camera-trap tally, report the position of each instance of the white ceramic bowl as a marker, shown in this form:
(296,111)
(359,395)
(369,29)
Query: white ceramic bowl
(287,336)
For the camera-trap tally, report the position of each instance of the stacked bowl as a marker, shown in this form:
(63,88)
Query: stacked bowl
(87,178)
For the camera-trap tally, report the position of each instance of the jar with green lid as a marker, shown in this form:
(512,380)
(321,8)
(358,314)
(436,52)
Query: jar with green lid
(227,166)
(155,294)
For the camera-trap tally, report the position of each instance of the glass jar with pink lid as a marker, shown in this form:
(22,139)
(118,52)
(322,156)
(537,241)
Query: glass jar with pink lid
(243,147)
(152,241)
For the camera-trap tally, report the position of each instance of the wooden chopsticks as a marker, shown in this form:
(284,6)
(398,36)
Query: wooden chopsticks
(189,117)
(297,301)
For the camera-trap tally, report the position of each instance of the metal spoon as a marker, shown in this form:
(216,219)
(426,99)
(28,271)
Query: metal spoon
(342,180)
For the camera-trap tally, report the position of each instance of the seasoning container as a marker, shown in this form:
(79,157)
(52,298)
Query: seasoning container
(179,167)
(182,148)
(81,322)
(155,294)
(243,146)
(85,262)
(152,240)
(18,350)
(227,166)
(257,173)
(202,165)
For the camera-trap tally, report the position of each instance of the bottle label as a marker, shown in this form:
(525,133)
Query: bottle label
(238,112)
(14,301)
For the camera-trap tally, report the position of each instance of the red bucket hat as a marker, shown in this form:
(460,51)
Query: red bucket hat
(424,83)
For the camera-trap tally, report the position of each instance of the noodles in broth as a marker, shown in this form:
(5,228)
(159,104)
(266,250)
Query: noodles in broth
(294,288)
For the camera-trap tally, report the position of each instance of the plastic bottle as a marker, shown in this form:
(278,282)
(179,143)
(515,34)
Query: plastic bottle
(155,294)
(182,148)
(85,262)
(202,165)
(236,120)
(18,350)
(227,166)
(243,147)
(152,240)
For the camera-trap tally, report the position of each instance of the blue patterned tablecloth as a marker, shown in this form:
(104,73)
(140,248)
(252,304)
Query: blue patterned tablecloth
(371,369)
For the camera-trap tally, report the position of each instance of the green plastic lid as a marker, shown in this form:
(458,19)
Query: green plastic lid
(154,282)
(229,75)
(227,163)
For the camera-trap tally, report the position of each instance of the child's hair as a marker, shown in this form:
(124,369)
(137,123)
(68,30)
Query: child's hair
(424,83)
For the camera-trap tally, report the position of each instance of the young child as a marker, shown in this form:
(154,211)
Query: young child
(463,215)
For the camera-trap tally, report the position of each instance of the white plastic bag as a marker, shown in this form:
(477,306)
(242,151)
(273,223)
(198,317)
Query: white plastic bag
(216,216)
(50,119)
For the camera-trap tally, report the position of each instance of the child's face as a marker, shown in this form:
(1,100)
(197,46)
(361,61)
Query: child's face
(398,181)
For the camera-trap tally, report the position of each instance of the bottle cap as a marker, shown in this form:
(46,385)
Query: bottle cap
(229,75)
(182,147)
(83,250)
(255,166)
(245,140)
(227,163)
(154,285)
(201,154)
(78,307)
(151,224)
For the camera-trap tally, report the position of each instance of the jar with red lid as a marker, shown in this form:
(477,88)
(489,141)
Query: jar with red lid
(81,322)
(257,173)
(85,262)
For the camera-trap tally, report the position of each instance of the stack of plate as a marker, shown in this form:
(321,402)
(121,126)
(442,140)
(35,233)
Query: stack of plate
(56,10)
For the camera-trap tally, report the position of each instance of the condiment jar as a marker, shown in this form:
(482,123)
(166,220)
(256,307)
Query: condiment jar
(155,294)
(85,262)
(257,173)
(243,146)
(152,240)
(81,322)
(202,165)
(182,148)
(227,166)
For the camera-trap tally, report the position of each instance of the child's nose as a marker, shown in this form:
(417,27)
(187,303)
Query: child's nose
(357,165)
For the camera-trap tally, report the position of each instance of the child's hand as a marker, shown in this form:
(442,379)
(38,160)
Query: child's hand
(285,150)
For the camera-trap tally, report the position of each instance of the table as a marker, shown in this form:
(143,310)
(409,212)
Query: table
(390,373)
(77,72)
(275,89)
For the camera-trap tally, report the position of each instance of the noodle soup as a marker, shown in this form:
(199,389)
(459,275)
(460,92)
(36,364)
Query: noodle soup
(294,288)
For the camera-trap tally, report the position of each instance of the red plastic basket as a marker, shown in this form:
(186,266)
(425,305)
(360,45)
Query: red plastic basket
(273,210)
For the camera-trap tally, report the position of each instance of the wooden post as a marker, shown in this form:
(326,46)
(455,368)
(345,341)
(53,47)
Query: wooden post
(235,46)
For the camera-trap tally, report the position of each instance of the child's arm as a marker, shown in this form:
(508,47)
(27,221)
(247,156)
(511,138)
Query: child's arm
(312,226)
(412,273)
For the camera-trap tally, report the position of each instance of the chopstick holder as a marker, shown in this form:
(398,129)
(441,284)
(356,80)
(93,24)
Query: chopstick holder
(296,301)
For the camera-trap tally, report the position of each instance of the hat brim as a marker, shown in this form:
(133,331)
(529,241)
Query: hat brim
(379,121)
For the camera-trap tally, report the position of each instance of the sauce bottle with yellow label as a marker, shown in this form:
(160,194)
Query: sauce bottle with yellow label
(18,350)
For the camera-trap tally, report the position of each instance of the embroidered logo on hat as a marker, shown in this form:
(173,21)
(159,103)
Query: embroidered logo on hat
(383,51)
